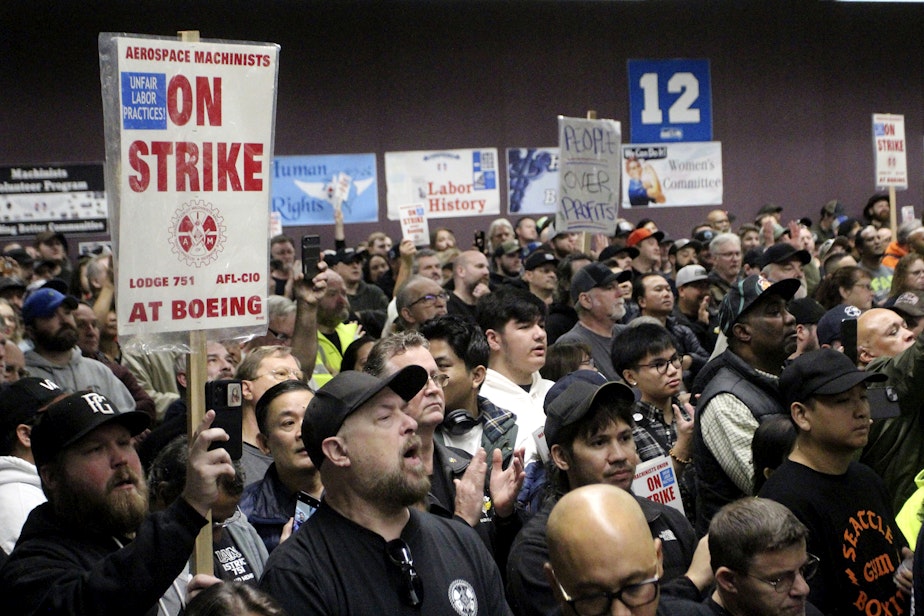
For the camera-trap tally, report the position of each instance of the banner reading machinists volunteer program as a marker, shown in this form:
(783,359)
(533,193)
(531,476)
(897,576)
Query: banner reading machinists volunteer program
(189,141)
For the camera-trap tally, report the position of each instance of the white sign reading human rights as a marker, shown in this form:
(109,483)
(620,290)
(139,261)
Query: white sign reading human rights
(889,151)
(588,174)
(672,174)
(189,142)
(450,183)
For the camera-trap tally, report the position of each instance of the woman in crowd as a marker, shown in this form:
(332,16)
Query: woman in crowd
(849,285)
(908,276)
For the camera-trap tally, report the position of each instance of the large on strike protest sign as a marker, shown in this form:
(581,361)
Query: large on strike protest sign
(189,143)
(889,150)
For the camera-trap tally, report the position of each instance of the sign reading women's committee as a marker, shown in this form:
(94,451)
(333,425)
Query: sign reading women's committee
(189,142)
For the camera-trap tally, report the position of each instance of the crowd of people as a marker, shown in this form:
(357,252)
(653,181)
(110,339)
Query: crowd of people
(468,424)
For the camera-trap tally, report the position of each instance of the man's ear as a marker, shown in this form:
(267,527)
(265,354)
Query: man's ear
(247,390)
(181,379)
(799,412)
(336,452)
(49,477)
(742,332)
(263,444)
(478,374)
(630,376)
(24,435)
(494,339)
(585,300)
(560,457)
(642,302)
(864,356)
(726,580)
(406,315)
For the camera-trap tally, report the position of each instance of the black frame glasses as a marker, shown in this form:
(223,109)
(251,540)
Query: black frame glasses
(783,583)
(630,595)
(661,364)
(400,555)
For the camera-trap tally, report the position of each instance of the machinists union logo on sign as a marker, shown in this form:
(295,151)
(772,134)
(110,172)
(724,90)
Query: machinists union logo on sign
(197,233)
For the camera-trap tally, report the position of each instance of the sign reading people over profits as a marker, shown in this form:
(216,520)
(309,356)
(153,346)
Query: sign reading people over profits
(450,183)
(588,174)
(189,143)
(889,150)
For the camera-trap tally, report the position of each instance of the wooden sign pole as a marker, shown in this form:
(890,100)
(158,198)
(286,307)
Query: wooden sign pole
(202,558)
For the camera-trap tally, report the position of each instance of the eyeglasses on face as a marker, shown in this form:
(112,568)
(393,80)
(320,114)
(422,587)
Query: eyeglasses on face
(783,583)
(283,374)
(661,364)
(412,586)
(439,378)
(430,298)
(631,595)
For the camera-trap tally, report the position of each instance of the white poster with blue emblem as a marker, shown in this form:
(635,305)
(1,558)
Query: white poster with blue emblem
(670,100)
(189,146)
(306,189)
(449,183)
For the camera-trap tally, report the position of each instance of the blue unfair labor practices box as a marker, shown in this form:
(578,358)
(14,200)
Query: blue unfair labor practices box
(144,101)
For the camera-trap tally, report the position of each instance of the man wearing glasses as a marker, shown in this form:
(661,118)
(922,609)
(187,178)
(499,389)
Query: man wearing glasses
(844,504)
(367,549)
(419,300)
(602,559)
(761,566)
(260,370)
(725,249)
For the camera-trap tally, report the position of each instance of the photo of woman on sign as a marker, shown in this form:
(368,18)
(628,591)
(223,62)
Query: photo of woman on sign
(644,185)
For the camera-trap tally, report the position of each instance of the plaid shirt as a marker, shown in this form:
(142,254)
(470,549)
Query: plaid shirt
(650,431)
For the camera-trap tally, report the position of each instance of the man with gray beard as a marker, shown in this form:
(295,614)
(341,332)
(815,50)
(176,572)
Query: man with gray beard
(366,550)
(49,319)
(93,548)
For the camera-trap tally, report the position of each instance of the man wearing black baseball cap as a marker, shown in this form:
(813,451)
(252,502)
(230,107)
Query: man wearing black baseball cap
(782,261)
(367,549)
(843,503)
(589,429)
(93,548)
(600,305)
(20,487)
(741,389)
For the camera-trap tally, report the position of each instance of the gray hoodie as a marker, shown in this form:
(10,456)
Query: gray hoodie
(82,373)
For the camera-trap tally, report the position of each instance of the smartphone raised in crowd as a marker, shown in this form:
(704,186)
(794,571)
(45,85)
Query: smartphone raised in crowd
(305,507)
(311,254)
(225,398)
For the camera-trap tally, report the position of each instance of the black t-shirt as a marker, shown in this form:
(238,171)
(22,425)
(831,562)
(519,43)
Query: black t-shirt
(333,566)
(852,530)
(230,564)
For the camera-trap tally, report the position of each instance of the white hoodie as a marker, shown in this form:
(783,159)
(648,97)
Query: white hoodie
(20,492)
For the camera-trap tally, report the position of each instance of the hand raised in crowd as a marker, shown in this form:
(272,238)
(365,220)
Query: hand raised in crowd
(505,484)
(470,489)
(683,447)
(407,250)
(702,314)
(794,239)
(480,290)
(311,293)
(205,467)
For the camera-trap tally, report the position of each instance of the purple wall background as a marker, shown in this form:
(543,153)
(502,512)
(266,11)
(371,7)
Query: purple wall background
(793,83)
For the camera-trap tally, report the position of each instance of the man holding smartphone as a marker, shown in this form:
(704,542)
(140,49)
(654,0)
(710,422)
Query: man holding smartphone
(93,548)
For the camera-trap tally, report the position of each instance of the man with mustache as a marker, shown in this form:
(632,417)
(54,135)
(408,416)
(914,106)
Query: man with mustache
(741,391)
(93,548)
(367,550)
(49,319)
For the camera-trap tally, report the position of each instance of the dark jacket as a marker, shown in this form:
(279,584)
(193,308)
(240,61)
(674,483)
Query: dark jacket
(714,488)
(64,569)
(268,505)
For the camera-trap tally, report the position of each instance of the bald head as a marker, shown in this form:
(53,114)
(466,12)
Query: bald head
(881,333)
(599,541)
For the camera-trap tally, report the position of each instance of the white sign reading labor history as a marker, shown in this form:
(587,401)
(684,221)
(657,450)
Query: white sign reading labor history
(450,183)
(889,151)
(189,144)
(672,174)
(588,174)
(62,198)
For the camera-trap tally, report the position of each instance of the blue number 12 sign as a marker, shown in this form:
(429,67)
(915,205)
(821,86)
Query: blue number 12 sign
(670,100)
